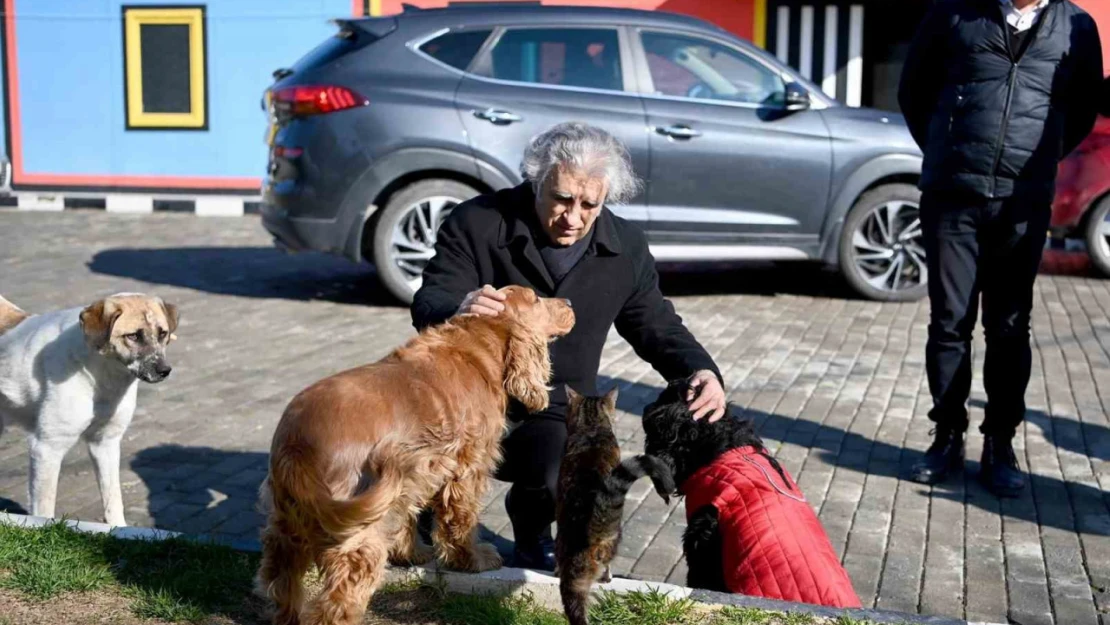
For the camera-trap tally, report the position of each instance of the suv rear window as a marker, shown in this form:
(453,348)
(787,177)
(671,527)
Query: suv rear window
(456,49)
(573,57)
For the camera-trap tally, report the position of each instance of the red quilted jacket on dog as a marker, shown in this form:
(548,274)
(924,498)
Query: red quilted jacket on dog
(774,545)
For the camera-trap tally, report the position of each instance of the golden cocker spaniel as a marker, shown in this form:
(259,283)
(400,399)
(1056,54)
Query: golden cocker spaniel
(357,455)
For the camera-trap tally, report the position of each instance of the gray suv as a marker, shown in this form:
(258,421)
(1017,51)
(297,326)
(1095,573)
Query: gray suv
(378,132)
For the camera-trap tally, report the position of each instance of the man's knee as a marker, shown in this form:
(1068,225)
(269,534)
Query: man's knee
(951,330)
(533,455)
(1006,329)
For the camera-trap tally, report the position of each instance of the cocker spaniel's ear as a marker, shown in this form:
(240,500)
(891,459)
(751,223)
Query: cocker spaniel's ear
(528,368)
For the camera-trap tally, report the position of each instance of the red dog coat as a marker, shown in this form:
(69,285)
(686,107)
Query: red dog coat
(774,545)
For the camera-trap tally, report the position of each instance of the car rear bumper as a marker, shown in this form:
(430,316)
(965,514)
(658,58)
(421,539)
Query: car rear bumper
(278,224)
(341,236)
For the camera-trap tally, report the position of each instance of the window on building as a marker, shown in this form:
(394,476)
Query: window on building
(690,67)
(164,61)
(456,49)
(572,57)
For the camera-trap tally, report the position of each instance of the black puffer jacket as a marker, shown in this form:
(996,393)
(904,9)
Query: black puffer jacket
(991,123)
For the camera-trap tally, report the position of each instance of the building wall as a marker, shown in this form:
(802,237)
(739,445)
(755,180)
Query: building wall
(66,93)
(737,16)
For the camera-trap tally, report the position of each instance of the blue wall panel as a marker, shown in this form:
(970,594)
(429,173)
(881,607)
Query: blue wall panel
(71,87)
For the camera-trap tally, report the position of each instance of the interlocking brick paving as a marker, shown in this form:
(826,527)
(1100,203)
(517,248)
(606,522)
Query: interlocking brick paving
(837,386)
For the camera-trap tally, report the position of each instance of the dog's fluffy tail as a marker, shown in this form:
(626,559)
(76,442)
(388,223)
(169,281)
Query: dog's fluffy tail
(10,315)
(341,518)
(345,517)
(626,473)
(576,597)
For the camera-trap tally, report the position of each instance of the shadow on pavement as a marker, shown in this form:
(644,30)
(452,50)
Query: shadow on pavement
(203,490)
(207,490)
(1050,502)
(266,272)
(12,507)
(263,272)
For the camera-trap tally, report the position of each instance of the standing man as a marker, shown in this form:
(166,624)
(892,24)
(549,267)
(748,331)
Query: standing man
(995,92)
(555,234)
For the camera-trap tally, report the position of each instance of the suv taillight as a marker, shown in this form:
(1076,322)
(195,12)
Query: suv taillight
(315,100)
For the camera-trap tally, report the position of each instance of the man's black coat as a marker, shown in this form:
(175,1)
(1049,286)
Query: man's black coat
(491,240)
(990,122)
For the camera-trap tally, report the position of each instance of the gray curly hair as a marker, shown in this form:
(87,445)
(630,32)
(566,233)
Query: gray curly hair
(581,147)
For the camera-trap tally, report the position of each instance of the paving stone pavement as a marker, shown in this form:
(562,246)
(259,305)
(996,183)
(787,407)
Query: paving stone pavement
(837,386)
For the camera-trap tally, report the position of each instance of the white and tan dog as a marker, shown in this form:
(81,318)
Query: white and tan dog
(74,374)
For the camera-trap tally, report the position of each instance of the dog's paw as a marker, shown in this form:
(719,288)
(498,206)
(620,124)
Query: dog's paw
(485,558)
(419,553)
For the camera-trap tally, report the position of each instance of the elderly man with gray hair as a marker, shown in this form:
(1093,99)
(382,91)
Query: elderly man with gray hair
(554,233)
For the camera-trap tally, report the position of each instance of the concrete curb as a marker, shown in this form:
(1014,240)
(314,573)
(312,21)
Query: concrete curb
(542,587)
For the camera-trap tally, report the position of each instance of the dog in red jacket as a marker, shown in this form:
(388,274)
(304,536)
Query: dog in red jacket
(749,528)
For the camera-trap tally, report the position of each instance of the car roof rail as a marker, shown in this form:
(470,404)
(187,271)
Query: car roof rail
(478,4)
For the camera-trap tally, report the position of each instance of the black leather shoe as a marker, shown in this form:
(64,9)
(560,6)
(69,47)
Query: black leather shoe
(945,455)
(539,555)
(998,470)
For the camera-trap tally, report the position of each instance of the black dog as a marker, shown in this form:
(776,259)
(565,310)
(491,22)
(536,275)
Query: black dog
(673,436)
(748,531)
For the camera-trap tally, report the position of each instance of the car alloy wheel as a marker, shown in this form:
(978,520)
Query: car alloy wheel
(414,236)
(888,249)
(1104,236)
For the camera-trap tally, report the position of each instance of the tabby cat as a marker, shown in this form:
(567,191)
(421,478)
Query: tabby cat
(593,483)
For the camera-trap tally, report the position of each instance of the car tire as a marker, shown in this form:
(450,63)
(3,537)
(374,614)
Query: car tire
(881,251)
(1097,236)
(404,231)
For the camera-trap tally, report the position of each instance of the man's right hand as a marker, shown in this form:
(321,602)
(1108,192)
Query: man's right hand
(485,301)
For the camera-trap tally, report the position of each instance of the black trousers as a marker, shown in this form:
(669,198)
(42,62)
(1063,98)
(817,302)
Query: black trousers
(532,454)
(990,250)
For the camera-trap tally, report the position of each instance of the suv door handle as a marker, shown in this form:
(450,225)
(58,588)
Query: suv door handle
(678,131)
(498,116)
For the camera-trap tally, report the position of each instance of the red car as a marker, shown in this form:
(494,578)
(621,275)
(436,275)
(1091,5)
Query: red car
(1083,196)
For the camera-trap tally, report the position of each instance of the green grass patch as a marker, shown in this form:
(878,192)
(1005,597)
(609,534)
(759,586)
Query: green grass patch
(172,580)
(744,616)
(43,563)
(641,608)
(179,581)
(493,610)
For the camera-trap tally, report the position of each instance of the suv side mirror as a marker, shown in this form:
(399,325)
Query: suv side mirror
(797,98)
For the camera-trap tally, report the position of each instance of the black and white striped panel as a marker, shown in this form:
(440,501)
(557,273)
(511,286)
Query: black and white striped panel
(203,205)
(824,42)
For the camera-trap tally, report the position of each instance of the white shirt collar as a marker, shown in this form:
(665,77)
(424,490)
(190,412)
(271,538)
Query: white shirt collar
(1022,21)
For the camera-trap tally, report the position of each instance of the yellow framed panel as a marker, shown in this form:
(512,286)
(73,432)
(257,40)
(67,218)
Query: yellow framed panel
(134,18)
(759,23)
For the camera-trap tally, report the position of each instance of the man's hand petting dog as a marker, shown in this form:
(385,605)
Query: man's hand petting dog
(485,301)
(706,397)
